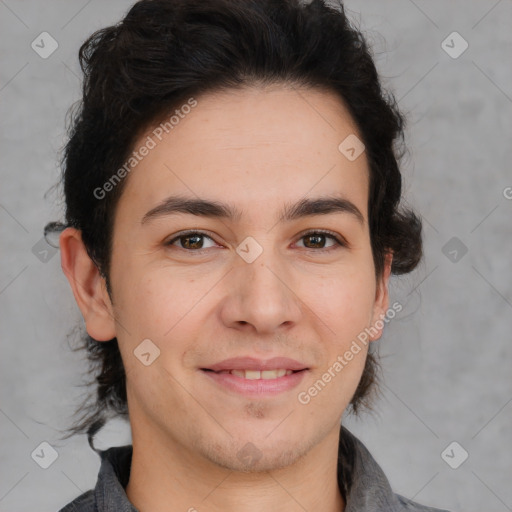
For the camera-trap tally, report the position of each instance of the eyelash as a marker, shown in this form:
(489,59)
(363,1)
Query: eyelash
(340,242)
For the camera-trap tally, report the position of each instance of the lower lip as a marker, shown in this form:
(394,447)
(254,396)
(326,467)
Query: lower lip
(257,387)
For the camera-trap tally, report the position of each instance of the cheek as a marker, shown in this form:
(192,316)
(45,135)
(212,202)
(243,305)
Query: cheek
(343,301)
(344,308)
(152,304)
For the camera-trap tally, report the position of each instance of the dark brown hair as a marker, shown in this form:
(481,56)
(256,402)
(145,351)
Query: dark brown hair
(165,51)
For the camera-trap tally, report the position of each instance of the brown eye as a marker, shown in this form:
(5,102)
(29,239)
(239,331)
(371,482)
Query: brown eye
(317,240)
(191,241)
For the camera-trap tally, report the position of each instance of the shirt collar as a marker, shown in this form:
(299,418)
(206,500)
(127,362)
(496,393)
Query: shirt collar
(369,488)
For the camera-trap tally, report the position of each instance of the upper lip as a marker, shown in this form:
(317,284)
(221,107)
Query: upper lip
(250,363)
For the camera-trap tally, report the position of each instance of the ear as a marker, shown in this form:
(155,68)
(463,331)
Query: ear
(88,286)
(381,304)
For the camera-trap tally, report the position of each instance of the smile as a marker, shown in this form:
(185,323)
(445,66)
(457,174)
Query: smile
(255,383)
(256,374)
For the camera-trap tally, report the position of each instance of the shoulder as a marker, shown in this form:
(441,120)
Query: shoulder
(84,503)
(411,506)
(369,488)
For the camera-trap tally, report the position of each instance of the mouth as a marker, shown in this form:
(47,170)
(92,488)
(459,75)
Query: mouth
(251,383)
(257,378)
(257,374)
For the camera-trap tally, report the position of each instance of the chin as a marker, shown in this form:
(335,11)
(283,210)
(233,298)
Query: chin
(250,459)
(265,450)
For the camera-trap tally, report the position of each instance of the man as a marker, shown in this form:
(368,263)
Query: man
(232,220)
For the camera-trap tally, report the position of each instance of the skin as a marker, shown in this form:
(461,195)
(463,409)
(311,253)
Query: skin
(257,148)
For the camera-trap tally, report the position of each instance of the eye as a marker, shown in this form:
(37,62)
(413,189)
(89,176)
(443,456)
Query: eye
(193,241)
(315,240)
(190,240)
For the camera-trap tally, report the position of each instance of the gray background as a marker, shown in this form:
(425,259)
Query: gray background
(447,372)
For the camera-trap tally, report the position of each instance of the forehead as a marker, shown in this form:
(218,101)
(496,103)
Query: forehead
(254,146)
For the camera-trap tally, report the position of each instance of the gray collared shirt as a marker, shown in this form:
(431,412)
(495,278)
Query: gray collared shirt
(368,490)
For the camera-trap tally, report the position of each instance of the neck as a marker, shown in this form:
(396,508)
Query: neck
(166,474)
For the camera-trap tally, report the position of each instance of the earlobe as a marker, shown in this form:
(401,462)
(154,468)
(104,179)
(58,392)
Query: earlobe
(381,304)
(88,286)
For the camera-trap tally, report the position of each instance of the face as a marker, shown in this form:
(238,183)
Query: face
(266,280)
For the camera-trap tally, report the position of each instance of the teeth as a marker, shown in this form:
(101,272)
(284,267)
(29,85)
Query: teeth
(273,374)
(256,374)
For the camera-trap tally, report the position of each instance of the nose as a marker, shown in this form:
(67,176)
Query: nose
(261,296)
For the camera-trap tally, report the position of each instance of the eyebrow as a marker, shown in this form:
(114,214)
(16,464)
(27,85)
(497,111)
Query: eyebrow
(215,209)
